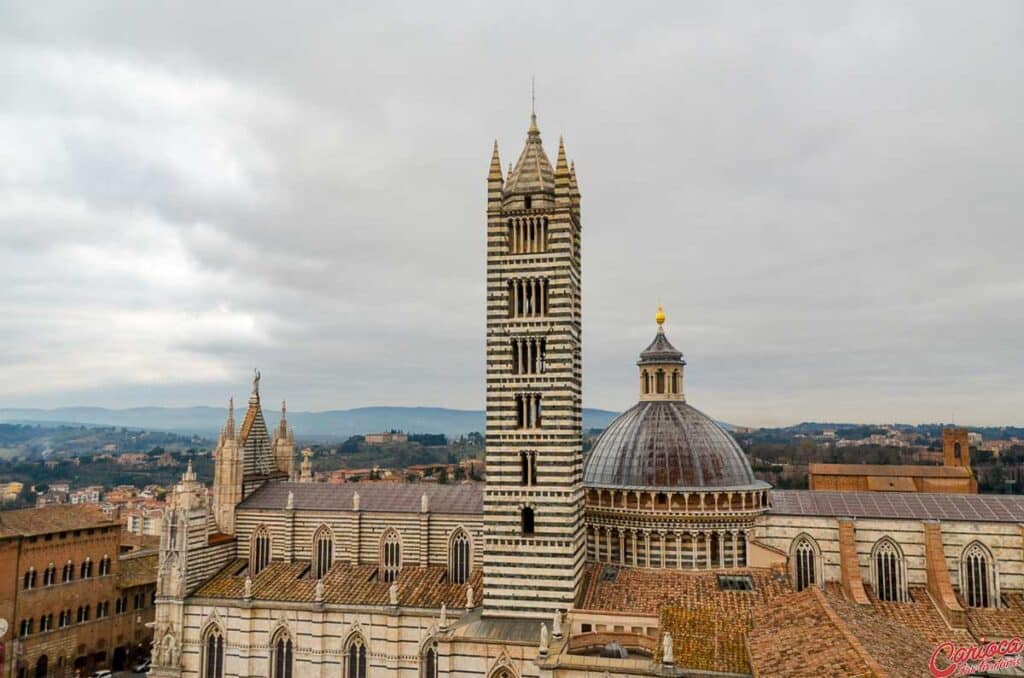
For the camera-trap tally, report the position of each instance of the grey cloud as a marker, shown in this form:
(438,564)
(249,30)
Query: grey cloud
(825,198)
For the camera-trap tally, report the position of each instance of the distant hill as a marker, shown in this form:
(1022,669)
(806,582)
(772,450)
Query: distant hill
(332,424)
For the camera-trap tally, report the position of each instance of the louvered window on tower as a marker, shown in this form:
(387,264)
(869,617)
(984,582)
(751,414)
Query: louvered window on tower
(528,235)
(528,411)
(528,355)
(527,297)
(528,466)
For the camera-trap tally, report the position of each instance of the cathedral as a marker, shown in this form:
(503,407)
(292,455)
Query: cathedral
(658,553)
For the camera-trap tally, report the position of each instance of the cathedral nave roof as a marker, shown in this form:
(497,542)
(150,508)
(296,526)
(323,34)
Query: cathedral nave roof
(464,498)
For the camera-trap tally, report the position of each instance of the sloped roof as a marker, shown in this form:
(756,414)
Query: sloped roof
(532,172)
(818,633)
(994,508)
(918,470)
(344,584)
(464,498)
(660,350)
(52,518)
(137,569)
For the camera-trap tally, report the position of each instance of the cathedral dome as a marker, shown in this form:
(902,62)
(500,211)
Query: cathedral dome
(662,442)
(667,444)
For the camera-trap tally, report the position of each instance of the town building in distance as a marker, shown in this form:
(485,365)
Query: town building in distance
(72,600)
(656,554)
(954,476)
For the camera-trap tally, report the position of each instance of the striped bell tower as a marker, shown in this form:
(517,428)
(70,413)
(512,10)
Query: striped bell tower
(533,504)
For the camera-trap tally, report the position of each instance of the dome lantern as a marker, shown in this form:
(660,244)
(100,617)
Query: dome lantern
(661,367)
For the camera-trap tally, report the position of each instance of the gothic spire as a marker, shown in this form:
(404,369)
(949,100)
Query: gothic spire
(229,427)
(532,173)
(495,171)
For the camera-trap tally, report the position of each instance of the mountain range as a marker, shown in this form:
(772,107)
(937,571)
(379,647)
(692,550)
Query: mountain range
(332,424)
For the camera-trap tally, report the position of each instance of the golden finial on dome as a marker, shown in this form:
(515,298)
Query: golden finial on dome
(659,317)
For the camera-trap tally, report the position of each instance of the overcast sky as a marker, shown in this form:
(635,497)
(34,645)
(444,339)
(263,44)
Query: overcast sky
(826,197)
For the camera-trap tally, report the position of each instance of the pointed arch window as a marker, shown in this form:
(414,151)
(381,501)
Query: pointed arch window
(50,575)
(805,564)
(67,573)
(978,583)
(259,551)
(86,569)
(459,557)
(323,551)
(355,657)
(390,556)
(430,661)
(29,581)
(213,653)
(889,571)
(105,565)
(281,655)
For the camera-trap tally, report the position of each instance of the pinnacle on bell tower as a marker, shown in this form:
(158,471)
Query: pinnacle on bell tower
(534,546)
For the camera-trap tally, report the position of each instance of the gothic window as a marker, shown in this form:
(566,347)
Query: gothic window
(45,623)
(430,661)
(528,524)
(889,571)
(459,557)
(50,575)
(390,556)
(86,569)
(355,657)
(29,581)
(64,619)
(805,569)
(213,653)
(977,579)
(281,655)
(68,573)
(528,468)
(323,552)
(26,628)
(259,551)
(105,566)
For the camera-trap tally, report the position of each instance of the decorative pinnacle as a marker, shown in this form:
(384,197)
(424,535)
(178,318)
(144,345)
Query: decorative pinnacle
(495,170)
(659,317)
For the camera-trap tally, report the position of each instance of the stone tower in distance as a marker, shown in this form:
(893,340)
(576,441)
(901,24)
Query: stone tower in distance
(533,504)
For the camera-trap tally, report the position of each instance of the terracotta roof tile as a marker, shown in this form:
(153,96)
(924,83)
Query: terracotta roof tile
(137,569)
(845,639)
(52,518)
(344,584)
(1005,622)
(708,625)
